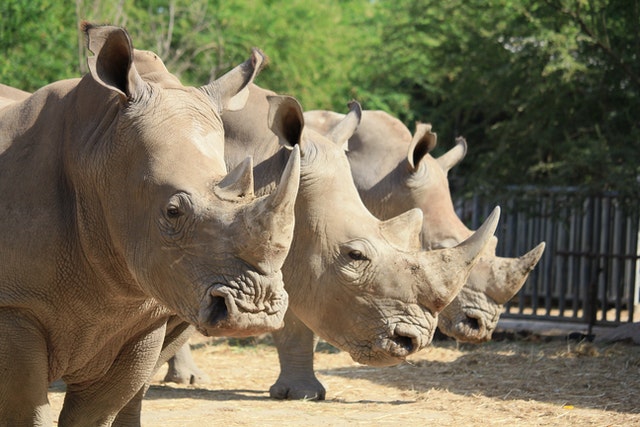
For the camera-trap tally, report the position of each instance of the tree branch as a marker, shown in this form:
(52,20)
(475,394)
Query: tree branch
(604,47)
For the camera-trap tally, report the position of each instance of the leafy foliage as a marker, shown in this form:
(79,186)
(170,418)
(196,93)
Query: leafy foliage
(546,92)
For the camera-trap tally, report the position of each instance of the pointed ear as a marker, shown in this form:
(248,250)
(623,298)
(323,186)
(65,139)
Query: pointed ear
(238,182)
(422,143)
(286,119)
(345,129)
(454,155)
(112,63)
(231,91)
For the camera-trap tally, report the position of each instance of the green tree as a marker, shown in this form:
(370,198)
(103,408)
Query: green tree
(545,92)
(37,43)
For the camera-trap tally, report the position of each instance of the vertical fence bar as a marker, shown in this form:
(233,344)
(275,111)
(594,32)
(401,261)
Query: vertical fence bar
(590,265)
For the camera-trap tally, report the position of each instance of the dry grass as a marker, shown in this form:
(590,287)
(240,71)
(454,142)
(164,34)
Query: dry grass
(523,383)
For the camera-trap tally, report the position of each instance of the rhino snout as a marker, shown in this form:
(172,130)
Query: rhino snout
(252,305)
(472,325)
(403,341)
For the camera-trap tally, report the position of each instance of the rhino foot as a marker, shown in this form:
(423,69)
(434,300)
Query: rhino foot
(191,375)
(183,369)
(298,390)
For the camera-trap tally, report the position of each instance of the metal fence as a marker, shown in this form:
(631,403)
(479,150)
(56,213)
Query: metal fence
(589,272)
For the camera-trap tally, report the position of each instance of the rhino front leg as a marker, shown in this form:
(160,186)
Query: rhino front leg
(296,344)
(99,403)
(24,366)
(176,337)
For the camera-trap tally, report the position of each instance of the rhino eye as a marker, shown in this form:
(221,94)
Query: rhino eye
(357,256)
(173,212)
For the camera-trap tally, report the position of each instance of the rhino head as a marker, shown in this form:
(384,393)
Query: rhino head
(362,284)
(157,200)
(394,172)
(474,314)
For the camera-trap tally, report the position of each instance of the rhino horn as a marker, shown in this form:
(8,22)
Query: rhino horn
(269,222)
(446,282)
(403,231)
(454,155)
(238,182)
(346,127)
(511,273)
(231,91)
(423,142)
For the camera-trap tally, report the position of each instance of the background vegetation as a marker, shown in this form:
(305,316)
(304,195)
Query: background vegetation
(547,92)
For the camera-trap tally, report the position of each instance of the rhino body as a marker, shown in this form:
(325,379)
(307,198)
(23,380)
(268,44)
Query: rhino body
(364,285)
(394,171)
(119,216)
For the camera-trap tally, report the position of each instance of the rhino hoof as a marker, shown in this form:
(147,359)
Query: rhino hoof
(191,375)
(282,392)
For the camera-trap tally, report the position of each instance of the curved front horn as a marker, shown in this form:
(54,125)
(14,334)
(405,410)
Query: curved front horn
(269,221)
(447,270)
(509,274)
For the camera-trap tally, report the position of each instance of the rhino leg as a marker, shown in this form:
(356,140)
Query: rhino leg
(176,337)
(24,366)
(99,403)
(183,369)
(297,380)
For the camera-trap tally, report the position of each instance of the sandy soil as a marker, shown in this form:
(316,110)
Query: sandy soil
(530,382)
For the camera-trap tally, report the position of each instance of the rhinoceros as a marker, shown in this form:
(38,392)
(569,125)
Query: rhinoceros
(362,284)
(393,172)
(118,215)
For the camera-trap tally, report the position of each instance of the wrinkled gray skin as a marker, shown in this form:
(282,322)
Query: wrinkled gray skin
(359,283)
(117,215)
(394,171)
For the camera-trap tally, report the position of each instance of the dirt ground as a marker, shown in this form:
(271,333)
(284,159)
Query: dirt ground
(523,382)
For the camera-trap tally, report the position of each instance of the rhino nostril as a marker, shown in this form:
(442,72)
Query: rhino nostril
(472,323)
(404,342)
(219,310)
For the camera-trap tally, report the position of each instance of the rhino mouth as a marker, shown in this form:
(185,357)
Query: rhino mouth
(396,343)
(249,305)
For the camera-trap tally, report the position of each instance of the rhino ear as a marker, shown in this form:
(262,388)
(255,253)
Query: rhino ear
(238,182)
(454,155)
(422,143)
(231,91)
(346,127)
(112,64)
(286,119)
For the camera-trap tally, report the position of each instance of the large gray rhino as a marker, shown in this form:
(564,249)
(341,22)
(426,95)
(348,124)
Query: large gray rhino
(359,283)
(118,214)
(364,285)
(394,171)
